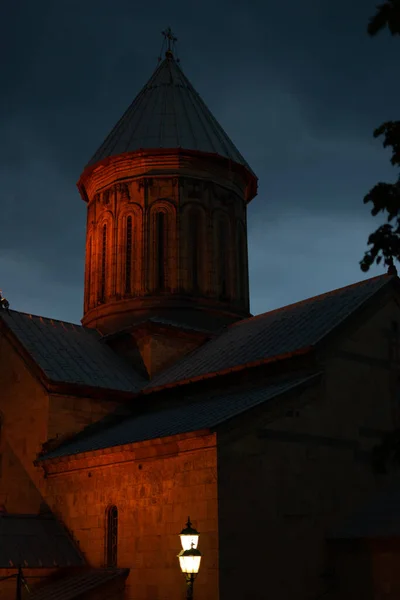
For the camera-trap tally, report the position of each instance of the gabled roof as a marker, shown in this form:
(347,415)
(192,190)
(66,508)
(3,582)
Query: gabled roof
(204,411)
(272,334)
(77,585)
(36,541)
(69,353)
(168,113)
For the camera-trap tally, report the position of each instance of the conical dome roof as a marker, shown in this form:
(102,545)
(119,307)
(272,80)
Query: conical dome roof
(168,113)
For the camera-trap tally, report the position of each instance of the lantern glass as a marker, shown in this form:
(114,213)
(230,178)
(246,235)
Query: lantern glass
(189,541)
(190,563)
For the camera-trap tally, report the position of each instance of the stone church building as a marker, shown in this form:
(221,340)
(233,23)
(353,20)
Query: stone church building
(171,399)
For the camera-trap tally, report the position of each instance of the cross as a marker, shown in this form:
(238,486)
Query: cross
(168,35)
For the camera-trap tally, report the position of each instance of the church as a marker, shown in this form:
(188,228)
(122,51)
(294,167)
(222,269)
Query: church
(171,400)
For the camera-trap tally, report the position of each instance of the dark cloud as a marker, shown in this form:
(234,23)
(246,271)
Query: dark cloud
(299,86)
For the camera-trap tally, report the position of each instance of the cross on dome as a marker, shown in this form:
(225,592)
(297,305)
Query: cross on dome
(169,37)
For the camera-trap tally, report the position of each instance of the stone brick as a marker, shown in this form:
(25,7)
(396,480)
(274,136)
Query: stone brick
(279,495)
(148,532)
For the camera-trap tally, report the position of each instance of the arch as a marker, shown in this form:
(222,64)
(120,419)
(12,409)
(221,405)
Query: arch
(222,255)
(163,255)
(88,272)
(194,247)
(103,262)
(105,257)
(128,255)
(241,264)
(130,248)
(111,545)
(161,250)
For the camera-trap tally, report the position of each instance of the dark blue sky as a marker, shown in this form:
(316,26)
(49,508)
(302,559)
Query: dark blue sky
(298,86)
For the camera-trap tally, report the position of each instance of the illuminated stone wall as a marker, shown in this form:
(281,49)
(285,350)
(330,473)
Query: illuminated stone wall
(204,223)
(155,485)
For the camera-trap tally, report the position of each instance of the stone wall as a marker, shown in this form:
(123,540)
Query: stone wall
(70,414)
(155,486)
(292,470)
(24,412)
(30,416)
(132,269)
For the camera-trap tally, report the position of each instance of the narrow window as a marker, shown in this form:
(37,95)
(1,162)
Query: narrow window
(128,256)
(112,537)
(194,259)
(89,272)
(222,259)
(241,265)
(103,263)
(160,237)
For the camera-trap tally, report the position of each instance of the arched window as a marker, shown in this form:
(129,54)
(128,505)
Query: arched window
(160,250)
(241,264)
(103,263)
(223,259)
(128,256)
(112,536)
(194,249)
(88,272)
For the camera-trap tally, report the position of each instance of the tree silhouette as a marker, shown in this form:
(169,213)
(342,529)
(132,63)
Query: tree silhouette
(387,15)
(385,197)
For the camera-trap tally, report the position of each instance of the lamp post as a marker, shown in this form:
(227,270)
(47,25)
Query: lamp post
(20,582)
(189,556)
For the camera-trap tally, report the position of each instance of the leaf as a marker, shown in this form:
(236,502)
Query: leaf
(387,15)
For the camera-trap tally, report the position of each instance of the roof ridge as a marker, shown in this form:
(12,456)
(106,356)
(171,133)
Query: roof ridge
(40,317)
(310,299)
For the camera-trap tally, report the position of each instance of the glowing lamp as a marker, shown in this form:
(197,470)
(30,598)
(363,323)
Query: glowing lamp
(189,557)
(189,536)
(189,561)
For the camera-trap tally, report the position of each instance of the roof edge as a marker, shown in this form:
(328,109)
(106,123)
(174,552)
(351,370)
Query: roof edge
(236,369)
(231,165)
(313,298)
(43,460)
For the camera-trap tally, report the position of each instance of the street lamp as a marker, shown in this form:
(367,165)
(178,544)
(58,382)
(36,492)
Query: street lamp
(20,582)
(189,556)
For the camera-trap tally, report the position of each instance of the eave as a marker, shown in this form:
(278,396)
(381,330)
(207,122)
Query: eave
(174,159)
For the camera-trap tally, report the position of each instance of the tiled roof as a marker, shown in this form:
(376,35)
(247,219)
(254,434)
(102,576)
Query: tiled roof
(70,353)
(168,113)
(274,333)
(379,518)
(77,585)
(191,414)
(36,541)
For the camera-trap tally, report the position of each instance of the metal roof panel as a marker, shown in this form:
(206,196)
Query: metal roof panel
(36,541)
(70,353)
(192,414)
(168,113)
(75,585)
(272,334)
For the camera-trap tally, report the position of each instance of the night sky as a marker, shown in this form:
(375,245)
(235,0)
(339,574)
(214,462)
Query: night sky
(299,87)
